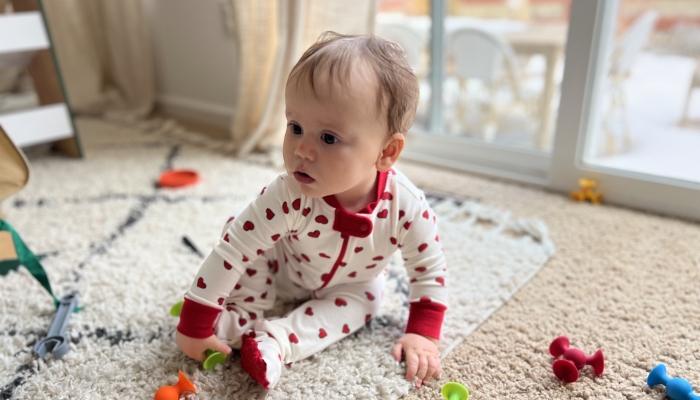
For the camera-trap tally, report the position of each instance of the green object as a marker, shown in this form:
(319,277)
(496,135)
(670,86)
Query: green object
(454,391)
(27,258)
(214,358)
(176,309)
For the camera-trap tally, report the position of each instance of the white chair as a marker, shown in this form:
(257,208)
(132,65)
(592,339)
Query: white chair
(622,59)
(410,40)
(476,54)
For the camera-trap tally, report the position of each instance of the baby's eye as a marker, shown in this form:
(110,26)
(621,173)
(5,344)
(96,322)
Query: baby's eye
(296,129)
(328,138)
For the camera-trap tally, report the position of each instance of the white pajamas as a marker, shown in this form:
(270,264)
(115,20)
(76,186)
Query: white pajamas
(297,247)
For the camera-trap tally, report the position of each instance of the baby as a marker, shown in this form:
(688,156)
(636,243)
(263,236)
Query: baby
(325,230)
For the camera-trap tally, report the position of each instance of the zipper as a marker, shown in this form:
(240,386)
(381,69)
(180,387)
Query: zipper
(346,239)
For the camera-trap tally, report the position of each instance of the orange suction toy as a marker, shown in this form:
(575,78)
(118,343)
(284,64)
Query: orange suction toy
(173,392)
(175,178)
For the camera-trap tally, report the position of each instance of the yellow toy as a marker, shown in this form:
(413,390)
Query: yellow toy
(587,192)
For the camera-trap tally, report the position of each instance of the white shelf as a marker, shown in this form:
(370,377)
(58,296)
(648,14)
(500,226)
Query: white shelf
(21,34)
(38,125)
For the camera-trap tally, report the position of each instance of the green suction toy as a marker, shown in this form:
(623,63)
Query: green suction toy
(214,358)
(454,391)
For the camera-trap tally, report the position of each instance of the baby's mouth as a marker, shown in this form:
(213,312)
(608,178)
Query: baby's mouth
(302,177)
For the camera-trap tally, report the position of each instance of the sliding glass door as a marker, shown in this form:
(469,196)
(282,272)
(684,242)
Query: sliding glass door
(628,117)
(552,91)
(490,72)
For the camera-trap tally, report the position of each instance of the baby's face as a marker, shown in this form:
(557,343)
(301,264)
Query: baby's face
(334,136)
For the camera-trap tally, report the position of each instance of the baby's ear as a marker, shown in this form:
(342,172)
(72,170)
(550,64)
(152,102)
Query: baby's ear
(390,153)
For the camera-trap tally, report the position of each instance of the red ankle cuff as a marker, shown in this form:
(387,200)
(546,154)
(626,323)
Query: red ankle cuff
(252,362)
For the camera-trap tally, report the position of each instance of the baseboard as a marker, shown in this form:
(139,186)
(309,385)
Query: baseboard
(204,112)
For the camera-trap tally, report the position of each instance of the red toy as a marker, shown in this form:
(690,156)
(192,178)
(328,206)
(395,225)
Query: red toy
(174,392)
(567,368)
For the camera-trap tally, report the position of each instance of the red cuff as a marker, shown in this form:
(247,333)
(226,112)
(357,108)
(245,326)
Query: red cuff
(197,320)
(425,319)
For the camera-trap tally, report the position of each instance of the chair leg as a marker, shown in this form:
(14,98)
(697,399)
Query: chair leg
(686,108)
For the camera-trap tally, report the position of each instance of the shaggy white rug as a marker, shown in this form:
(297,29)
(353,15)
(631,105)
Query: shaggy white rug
(109,233)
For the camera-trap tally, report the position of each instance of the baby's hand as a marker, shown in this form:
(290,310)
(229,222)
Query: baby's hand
(196,348)
(422,357)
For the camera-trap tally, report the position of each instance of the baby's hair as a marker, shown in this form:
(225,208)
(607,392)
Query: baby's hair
(336,54)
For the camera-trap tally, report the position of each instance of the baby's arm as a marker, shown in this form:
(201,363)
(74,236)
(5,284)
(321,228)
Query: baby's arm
(426,268)
(252,232)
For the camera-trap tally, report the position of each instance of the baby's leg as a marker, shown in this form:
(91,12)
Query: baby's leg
(335,313)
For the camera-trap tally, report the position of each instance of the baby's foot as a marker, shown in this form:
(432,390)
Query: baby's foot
(261,359)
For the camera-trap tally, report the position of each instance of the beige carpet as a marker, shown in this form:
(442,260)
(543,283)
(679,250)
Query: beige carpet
(622,281)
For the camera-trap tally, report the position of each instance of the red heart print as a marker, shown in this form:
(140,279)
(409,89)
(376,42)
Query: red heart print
(201,284)
(322,333)
(245,258)
(221,300)
(420,269)
(324,255)
(358,249)
(226,237)
(393,240)
(346,329)
(299,273)
(249,299)
(437,238)
(407,225)
(342,264)
(321,219)
(250,271)
(422,247)
(306,211)
(293,338)
(227,265)
(238,286)
(370,296)
(425,214)
(229,308)
(401,213)
(296,204)
(263,296)
(230,219)
(275,236)
(325,277)
(248,226)
(315,234)
(367,318)
(371,266)
(296,258)
(295,237)
(387,196)
(383,213)
(414,280)
(263,189)
(253,315)
(340,302)
(309,311)
(242,321)
(261,252)
(305,257)
(425,299)
(378,258)
(276,267)
(269,214)
(352,274)
(285,208)
(440,281)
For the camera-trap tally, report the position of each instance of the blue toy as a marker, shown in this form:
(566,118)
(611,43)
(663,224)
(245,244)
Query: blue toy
(676,388)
